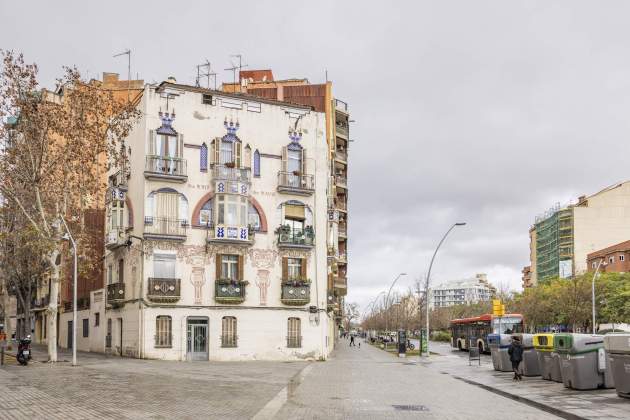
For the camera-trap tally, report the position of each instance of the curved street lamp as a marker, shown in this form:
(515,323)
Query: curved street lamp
(426,293)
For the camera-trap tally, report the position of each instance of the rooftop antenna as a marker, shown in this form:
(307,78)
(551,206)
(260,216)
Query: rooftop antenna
(239,67)
(207,73)
(127,52)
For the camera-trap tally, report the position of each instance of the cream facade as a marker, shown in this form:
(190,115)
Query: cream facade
(216,231)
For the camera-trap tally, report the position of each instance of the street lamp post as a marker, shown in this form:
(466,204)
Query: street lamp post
(387,301)
(429,278)
(601,262)
(74,296)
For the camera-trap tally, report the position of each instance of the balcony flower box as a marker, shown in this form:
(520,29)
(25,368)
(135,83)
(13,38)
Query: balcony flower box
(230,291)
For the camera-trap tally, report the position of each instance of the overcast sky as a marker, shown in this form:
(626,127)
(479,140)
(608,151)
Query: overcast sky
(487,112)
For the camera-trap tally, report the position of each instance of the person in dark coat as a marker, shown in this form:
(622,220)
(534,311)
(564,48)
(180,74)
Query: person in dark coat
(516,357)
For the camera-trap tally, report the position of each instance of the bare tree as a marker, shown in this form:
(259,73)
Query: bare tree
(58,146)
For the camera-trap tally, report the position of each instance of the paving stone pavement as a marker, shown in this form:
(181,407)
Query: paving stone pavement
(367,383)
(119,388)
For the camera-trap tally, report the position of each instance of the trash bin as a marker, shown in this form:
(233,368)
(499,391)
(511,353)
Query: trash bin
(548,359)
(529,366)
(583,361)
(499,344)
(617,348)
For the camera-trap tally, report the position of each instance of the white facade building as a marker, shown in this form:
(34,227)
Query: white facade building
(462,292)
(216,231)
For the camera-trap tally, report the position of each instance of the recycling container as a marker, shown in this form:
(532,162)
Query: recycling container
(617,348)
(583,361)
(499,344)
(529,366)
(548,359)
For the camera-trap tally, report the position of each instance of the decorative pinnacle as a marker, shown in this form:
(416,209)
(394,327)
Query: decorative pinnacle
(167,119)
(295,136)
(231,127)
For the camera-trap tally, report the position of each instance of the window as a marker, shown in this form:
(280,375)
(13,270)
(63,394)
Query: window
(121,270)
(226,152)
(205,214)
(257,163)
(622,258)
(116,215)
(253,218)
(232,210)
(163,336)
(108,337)
(164,266)
(594,264)
(294,333)
(206,99)
(228,334)
(165,204)
(294,266)
(229,267)
(110,274)
(203,158)
(611,260)
(86,327)
(295,160)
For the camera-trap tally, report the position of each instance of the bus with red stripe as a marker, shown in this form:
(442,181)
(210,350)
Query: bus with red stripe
(466,332)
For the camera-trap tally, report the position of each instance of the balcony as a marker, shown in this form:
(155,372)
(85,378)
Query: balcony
(165,168)
(115,293)
(341,285)
(295,238)
(341,155)
(118,180)
(226,291)
(226,234)
(298,294)
(343,258)
(165,228)
(341,181)
(227,172)
(341,205)
(343,231)
(341,129)
(163,289)
(83,303)
(341,106)
(296,183)
(115,237)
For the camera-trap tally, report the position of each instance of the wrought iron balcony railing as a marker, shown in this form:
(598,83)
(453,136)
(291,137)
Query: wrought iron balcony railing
(165,228)
(341,105)
(342,129)
(115,293)
(228,172)
(299,294)
(165,168)
(226,291)
(295,238)
(296,183)
(163,289)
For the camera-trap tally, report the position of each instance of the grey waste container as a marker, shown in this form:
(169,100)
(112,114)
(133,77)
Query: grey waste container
(618,350)
(499,344)
(548,359)
(583,361)
(529,365)
(494,341)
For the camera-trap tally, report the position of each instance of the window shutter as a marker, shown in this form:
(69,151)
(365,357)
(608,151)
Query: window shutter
(241,268)
(285,268)
(218,260)
(237,154)
(180,146)
(285,159)
(151,142)
(303,268)
(216,149)
(303,161)
(211,156)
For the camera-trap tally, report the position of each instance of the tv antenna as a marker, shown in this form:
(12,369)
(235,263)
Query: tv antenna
(239,67)
(127,52)
(205,70)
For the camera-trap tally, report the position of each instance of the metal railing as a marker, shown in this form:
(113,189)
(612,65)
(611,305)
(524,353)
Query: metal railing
(288,236)
(115,292)
(165,226)
(166,165)
(341,181)
(296,180)
(115,236)
(164,289)
(341,154)
(229,292)
(294,342)
(229,173)
(295,295)
(341,105)
(342,129)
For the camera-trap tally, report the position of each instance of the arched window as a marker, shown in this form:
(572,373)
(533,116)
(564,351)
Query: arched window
(203,158)
(205,214)
(166,204)
(253,218)
(256,163)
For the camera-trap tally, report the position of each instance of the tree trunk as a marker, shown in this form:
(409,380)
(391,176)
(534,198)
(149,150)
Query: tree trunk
(52,306)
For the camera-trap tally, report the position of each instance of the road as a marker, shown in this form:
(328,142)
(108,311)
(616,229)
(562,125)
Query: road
(361,383)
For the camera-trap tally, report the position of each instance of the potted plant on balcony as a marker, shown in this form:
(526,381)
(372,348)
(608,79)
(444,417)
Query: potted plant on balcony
(298,282)
(309,232)
(297,173)
(230,164)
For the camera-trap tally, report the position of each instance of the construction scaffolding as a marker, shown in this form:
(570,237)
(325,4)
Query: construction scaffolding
(554,243)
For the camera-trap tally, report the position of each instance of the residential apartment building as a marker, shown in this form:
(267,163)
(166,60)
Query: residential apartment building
(462,292)
(612,259)
(319,96)
(216,233)
(561,239)
(527,277)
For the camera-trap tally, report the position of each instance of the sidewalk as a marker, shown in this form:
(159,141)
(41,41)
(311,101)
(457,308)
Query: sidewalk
(551,396)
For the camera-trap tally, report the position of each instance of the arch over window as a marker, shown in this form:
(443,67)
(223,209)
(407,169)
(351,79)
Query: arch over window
(203,158)
(256,163)
(206,202)
(166,203)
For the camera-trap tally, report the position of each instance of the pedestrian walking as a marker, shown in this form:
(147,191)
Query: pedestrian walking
(516,356)
(352,341)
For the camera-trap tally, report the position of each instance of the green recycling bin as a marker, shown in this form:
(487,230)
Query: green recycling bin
(548,359)
(617,348)
(530,365)
(583,361)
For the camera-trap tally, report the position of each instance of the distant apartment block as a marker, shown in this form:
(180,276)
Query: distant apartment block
(612,259)
(462,292)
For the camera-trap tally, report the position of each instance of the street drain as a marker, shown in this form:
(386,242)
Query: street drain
(410,408)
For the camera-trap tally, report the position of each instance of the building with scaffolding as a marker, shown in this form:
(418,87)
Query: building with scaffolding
(562,237)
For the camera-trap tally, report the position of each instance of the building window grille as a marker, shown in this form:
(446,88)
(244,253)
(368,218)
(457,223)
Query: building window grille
(228,333)
(163,332)
(97,319)
(294,333)
(257,163)
(203,158)
(206,99)
(86,327)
